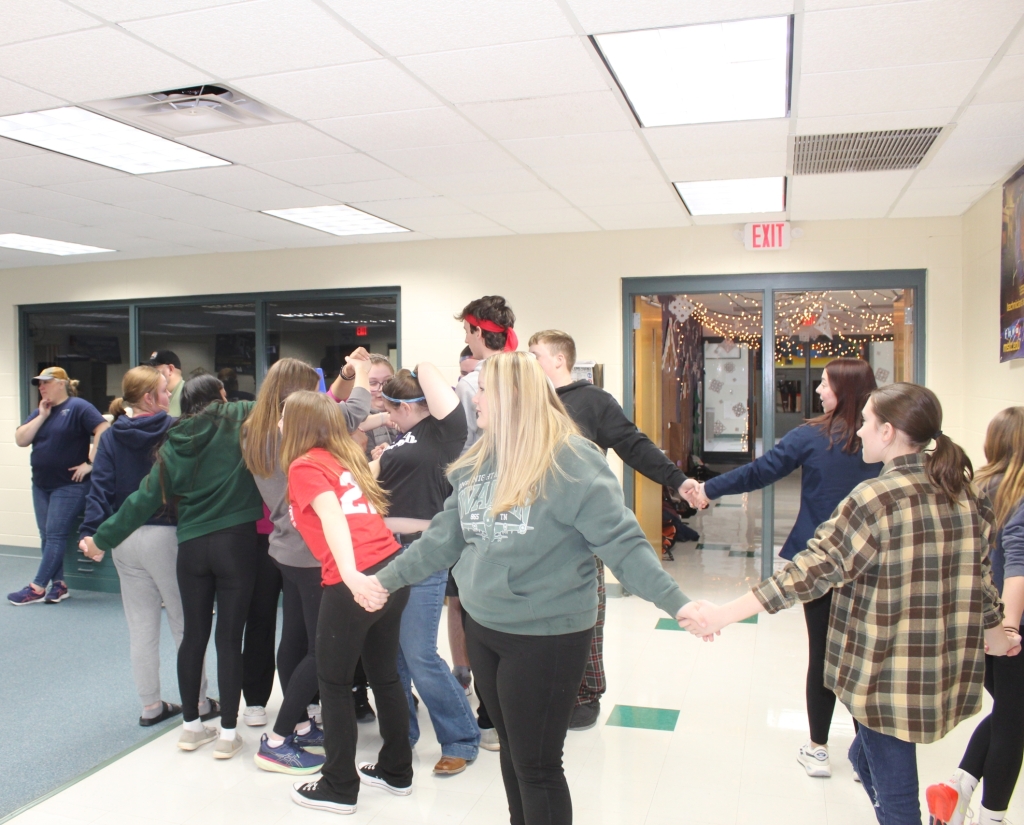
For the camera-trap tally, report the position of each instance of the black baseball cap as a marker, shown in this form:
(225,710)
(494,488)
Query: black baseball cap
(165,356)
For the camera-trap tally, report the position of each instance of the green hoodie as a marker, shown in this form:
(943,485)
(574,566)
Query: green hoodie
(202,467)
(531,570)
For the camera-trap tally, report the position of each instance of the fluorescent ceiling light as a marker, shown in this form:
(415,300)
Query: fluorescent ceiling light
(337,220)
(89,136)
(703,74)
(734,197)
(30,243)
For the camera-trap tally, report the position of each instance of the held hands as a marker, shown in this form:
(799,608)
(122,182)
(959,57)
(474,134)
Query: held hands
(367,591)
(702,618)
(360,366)
(81,471)
(1007,643)
(378,451)
(360,354)
(90,550)
(693,491)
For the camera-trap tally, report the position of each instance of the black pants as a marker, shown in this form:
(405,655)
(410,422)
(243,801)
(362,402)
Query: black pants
(483,718)
(296,655)
(261,630)
(821,702)
(997,744)
(530,685)
(222,565)
(345,633)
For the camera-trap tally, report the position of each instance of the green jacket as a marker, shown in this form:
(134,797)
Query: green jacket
(202,468)
(531,571)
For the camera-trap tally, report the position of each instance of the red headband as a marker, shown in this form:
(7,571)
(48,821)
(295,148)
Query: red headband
(511,341)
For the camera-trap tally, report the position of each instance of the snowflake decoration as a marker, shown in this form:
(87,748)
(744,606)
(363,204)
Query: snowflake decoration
(729,367)
(719,428)
(824,324)
(728,345)
(716,386)
(881,375)
(681,308)
(739,410)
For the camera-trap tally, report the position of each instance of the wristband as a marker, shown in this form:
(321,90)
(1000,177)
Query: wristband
(348,377)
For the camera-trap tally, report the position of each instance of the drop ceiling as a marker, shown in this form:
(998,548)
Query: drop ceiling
(468,118)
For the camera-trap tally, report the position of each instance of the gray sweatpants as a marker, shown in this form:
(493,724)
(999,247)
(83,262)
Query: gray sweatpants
(146,563)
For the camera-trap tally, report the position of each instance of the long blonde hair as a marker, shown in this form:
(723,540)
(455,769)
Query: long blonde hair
(259,431)
(311,419)
(527,427)
(136,383)
(1004,454)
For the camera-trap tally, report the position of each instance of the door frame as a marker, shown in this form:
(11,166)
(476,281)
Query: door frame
(767,284)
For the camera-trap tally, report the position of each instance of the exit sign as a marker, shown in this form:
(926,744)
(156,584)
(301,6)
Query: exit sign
(362,332)
(764,236)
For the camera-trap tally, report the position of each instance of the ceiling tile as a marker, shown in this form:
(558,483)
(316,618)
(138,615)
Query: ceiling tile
(282,196)
(216,180)
(718,138)
(904,88)
(493,231)
(573,114)
(118,190)
(713,220)
(321,171)
(456,224)
(35,225)
(340,91)
(89,213)
(448,160)
(264,227)
(16,149)
(600,147)
(598,16)
(845,196)
(404,27)
(520,70)
(49,168)
(927,203)
(282,141)
(118,10)
(604,195)
(991,121)
(190,208)
(29,19)
(902,34)
(261,37)
(726,166)
(514,201)
(960,161)
(15,99)
(639,216)
(1006,82)
(374,190)
(820,5)
(582,176)
(875,122)
(402,130)
(43,64)
(35,199)
(536,221)
(408,208)
(483,183)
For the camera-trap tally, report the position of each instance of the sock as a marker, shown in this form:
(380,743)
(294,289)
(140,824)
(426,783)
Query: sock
(227,734)
(274,741)
(965,782)
(990,817)
(196,725)
(153,712)
(302,730)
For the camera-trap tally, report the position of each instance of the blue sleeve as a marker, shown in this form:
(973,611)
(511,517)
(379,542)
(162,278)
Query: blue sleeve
(778,462)
(89,417)
(1012,538)
(32,415)
(99,504)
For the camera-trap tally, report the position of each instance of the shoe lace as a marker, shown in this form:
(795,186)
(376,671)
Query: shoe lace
(310,786)
(370,767)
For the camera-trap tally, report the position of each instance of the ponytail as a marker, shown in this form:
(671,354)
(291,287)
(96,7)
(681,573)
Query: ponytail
(117,408)
(916,412)
(72,386)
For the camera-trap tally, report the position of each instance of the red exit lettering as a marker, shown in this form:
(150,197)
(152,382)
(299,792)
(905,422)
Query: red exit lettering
(362,332)
(766,235)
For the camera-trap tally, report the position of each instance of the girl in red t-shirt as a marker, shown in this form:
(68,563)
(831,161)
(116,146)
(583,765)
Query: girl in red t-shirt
(338,508)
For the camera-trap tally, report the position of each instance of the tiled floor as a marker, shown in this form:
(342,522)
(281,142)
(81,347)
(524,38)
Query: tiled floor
(728,759)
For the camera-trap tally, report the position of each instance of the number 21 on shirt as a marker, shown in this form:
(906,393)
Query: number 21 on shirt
(350,499)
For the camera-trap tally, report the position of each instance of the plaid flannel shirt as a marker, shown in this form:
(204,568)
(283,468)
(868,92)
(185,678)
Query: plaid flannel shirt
(914,593)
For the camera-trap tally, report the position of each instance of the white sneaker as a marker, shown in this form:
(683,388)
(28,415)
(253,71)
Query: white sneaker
(489,739)
(255,716)
(814,760)
(313,712)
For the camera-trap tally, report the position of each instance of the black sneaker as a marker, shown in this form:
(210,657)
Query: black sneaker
(309,795)
(364,713)
(584,717)
(370,774)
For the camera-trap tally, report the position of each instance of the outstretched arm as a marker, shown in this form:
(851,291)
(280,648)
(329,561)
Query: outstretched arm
(441,398)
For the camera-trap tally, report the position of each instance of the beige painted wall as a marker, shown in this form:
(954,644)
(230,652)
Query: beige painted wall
(567,281)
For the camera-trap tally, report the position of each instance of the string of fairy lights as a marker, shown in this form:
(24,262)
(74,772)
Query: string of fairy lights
(852,326)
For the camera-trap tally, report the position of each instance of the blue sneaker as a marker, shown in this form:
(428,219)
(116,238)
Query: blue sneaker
(312,741)
(289,758)
(25,596)
(58,593)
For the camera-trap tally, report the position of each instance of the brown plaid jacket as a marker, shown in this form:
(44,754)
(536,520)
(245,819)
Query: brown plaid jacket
(914,592)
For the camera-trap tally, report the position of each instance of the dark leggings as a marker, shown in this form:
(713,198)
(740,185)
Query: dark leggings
(222,565)
(261,629)
(997,744)
(344,633)
(530,685)
(296,655)
(483,718)
(821,701)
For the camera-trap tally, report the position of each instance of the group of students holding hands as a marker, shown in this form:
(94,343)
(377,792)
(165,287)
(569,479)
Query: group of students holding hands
(909,566)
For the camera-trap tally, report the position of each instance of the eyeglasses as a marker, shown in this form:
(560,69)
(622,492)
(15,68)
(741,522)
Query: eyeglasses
(376,385)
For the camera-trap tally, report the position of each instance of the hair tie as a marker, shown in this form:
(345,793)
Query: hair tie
(401,400)
(511,341)
(937,436)
(412,373)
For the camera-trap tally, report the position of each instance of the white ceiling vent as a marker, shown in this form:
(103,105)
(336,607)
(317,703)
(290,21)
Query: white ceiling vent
(191,111)
(862,151)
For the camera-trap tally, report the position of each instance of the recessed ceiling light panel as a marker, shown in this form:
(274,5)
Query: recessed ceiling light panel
(709,73)
(337,220)
(734,197)
(30,243)
(89,136)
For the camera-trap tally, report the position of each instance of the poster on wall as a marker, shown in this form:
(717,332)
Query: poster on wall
(1011,292)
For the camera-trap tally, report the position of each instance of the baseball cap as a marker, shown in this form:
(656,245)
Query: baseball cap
(164,356)
(49,374)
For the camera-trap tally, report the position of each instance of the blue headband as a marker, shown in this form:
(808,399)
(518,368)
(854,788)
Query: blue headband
(403,400)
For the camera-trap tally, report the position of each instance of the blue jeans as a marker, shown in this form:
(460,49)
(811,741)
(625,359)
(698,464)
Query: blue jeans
(419,662)
(56,511)
(887,768)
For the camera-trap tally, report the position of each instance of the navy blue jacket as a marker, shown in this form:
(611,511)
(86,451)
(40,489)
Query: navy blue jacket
(829,476)
(124,457)
(1008,556)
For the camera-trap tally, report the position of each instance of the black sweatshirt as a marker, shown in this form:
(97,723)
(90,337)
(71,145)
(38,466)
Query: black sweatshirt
(601,419)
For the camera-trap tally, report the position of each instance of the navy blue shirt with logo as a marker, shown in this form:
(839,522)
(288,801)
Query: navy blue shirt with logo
(62,442)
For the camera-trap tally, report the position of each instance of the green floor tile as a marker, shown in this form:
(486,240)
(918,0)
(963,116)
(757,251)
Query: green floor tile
(668,624)
(751,620)
(628,716)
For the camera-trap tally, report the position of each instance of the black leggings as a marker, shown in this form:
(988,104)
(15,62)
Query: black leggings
(483,718)
(222,565)
(344,633)
(997,744)
(530,685)
(261,629)
(821,701)
(296,655)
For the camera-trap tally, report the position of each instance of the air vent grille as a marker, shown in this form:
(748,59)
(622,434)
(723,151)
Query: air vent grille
(862,151)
